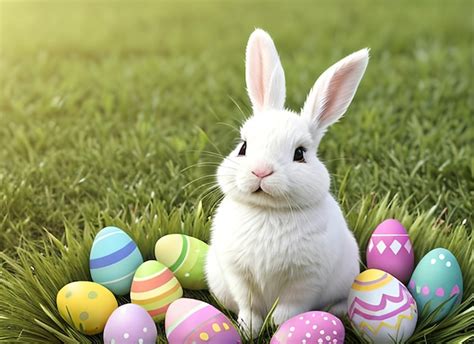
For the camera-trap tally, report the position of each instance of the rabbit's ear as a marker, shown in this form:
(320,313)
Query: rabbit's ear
(332,93)
(264,73)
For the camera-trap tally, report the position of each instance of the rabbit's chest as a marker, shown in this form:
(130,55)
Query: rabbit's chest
(269,246)
(263,250)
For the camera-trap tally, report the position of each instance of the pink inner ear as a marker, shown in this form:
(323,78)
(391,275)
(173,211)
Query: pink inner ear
(256,73)
(335,98)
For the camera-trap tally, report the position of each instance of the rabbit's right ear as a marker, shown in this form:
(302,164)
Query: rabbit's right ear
(264,73)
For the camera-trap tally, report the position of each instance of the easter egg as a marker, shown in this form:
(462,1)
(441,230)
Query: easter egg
(130,324)
(193,321)
(154,287)
(86,306)
(436,279)
(310,327)
(390,250)
(113,260)
(185,256)
(381,307)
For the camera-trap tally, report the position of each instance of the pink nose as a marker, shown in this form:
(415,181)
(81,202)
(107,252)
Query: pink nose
(262,172)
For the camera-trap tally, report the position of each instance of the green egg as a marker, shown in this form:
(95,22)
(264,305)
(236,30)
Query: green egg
(436,279)
(185,256)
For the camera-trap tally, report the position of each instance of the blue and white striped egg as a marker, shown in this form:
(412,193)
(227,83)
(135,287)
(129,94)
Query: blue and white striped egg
(114,259)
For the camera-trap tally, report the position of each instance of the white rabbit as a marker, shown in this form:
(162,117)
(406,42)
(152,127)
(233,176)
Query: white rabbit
(278,233)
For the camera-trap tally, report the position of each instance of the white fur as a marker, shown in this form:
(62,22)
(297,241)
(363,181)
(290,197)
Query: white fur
(291,241)
(334,90)
(264,73)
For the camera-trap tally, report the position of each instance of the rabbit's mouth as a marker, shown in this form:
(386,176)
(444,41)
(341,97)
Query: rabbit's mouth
(258,190)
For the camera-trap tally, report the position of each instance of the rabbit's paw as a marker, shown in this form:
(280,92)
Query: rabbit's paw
(283,312)
(339,309)
(250,322)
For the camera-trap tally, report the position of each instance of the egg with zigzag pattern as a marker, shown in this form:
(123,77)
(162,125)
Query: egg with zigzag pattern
(382,308)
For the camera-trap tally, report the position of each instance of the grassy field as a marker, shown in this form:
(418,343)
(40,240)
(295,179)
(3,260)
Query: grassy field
(116,113)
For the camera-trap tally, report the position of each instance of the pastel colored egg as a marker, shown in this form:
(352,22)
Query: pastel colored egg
(310,327)
(130,324)
(154,287)
(86,306)
(193,321)
(390,250)
(113,260)
(381,307)
(185,256)
(437,279)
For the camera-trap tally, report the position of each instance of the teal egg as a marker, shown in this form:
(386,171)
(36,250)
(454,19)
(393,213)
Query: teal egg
(114,259)
(436,279)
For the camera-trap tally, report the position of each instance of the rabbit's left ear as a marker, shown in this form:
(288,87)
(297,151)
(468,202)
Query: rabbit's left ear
(332,93)
(264,73)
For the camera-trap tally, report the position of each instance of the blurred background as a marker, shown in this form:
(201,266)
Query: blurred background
(104,103)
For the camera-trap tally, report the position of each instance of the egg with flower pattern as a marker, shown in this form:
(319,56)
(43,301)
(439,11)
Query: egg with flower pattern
(381,307)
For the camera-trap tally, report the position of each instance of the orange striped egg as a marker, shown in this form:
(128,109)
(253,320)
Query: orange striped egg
(154,287)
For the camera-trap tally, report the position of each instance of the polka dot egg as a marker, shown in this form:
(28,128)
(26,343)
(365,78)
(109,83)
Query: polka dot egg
(437,279)
(130,324)
(113,260)
(311,327)
(154,287)
(193,321)
(381,307)
(86,306)
(185,256)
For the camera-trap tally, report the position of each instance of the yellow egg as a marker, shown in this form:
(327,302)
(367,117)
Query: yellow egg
(86,306)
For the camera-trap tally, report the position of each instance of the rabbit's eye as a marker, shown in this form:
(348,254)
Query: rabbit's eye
(299,154)
(243,149)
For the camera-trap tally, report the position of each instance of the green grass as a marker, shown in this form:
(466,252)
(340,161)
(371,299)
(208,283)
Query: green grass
(115,113)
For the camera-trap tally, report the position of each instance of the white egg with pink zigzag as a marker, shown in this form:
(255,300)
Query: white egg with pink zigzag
(382,308)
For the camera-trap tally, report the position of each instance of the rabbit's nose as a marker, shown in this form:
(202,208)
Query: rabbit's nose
(262,172)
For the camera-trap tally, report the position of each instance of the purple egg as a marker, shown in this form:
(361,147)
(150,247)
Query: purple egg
(130,323)
(390,250)
(310,327)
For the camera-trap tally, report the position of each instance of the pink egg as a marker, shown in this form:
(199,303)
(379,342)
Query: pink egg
(311,327)
(196,322)
(390,250)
